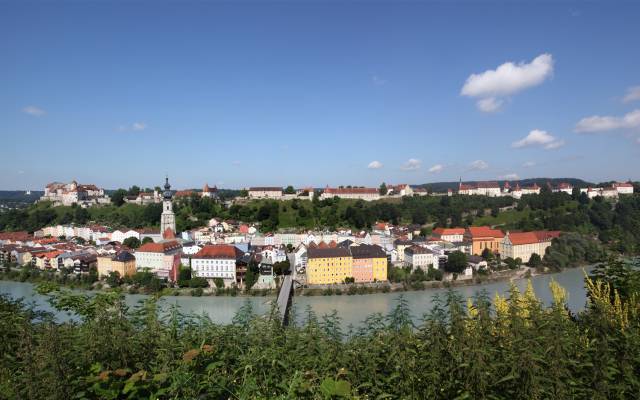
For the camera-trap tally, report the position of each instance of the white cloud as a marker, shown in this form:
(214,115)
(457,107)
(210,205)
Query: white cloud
(506,80)
(33,110)
(412,164)
(633,94)
(490,104)
(139,126)
(377,80)
(509,177)
(436,168)
(529,164)
(597,123)
(374,165)
(478,165)
(538,137)
(136,126)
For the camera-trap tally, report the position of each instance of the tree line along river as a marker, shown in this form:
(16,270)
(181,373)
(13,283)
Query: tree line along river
(351,309)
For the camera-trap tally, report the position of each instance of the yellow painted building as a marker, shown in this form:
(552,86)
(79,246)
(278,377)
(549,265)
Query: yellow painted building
(328,265)
(124,263)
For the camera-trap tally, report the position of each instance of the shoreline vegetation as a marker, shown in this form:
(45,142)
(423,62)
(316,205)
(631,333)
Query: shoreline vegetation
(523,272)
(508,347)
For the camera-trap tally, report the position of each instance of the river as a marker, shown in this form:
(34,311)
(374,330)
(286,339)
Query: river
(352,309)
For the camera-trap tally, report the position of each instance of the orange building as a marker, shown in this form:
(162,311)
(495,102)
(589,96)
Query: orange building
(483,237)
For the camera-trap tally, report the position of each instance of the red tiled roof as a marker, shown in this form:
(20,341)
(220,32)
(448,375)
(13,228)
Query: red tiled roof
(484,231)
(184,193)
(158,247)
(168,234)
(519,238)
(265,189)
(622,184)
(217,251)
(20,236)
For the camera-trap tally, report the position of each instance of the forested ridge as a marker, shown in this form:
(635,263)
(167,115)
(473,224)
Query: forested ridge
(511,348)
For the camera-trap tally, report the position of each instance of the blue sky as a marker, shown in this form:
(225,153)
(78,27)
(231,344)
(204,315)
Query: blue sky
(316,93)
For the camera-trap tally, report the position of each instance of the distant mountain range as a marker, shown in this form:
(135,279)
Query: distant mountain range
(444,186)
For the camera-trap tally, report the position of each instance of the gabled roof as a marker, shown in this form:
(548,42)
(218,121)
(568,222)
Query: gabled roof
(448,231)
(484,231)
(520,238)
(162,247)
(218,251)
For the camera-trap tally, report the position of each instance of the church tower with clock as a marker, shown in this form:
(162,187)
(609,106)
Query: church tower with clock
(168,218)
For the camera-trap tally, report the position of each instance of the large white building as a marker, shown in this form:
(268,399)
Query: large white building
(216,261)
(491,189)
(623,187)
(358,193)
(265,193)
(67,194)
(163,259)
(523,244)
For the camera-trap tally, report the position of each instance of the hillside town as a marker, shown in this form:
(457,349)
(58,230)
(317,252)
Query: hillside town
(225,250)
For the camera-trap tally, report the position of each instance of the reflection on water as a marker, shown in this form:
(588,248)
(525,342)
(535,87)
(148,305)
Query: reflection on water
(352,309)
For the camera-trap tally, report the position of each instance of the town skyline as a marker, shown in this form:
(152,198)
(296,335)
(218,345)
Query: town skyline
(247,96)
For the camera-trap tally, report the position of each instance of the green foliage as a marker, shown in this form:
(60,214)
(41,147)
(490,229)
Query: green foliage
(131,242)
(456,262)
(383,189)
(219,282)
(535,260)
(572,249)
(516,348)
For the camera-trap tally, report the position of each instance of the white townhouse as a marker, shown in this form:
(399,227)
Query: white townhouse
(418,257)
(216,261)
(161,258)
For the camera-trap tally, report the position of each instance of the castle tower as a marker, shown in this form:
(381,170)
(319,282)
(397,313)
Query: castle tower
(168,218)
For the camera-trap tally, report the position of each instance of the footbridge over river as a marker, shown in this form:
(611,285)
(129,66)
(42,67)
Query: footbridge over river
(285,298)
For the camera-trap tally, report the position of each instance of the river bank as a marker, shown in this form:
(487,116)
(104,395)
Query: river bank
(75,283)
(351,309)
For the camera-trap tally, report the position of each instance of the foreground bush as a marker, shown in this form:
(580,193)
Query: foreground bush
(514,349)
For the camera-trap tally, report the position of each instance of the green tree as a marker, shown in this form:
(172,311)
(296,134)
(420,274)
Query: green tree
(487,254)
(456,262)
(132,242)
(117,198)
(383,189)
(289,190)
(535,260)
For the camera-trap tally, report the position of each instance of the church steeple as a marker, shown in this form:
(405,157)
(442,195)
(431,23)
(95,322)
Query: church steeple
(168,218)
(167,189)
